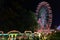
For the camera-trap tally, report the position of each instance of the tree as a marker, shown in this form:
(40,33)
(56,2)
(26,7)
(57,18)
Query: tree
(55,36)
(15,17)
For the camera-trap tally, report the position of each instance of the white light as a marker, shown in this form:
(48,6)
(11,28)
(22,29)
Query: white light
(39,34)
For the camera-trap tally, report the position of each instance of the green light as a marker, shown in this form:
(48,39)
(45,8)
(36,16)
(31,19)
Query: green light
(0,34)
(13,35)
(5,34)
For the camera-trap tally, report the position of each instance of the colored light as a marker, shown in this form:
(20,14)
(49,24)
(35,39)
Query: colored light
(0,34)
(5,34)
(13,35)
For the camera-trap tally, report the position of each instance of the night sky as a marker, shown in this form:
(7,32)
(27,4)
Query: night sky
(30,5)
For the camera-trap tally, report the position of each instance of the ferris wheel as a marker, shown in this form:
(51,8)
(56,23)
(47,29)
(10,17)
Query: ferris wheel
(44,14)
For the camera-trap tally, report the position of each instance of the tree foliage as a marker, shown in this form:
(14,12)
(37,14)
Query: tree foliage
(55,36)
(14,17)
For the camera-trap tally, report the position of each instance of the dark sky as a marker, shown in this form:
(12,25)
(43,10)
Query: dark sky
(55,5)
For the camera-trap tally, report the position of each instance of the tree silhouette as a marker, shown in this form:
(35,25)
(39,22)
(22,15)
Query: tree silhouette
(14,17)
